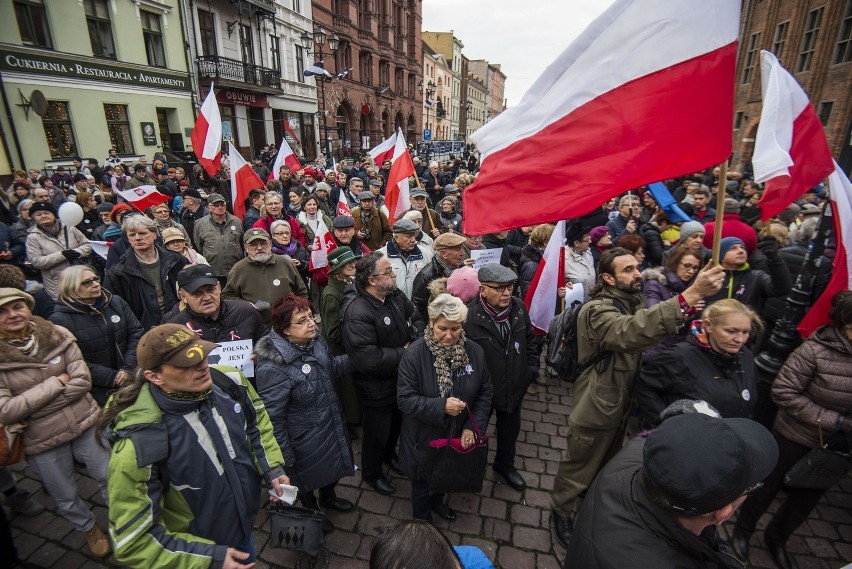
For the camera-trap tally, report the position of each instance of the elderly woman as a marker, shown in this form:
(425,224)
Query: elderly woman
(440,376)
(106,329)
(284,244)
(175,240)
(812,393)
(714,365)
(163,216)
(295,371)
(52,246)
(45,383)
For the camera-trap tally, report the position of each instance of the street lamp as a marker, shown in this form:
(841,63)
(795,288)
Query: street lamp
(319,38)
(428,91)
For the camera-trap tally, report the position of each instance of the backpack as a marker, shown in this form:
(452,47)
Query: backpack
(562,358)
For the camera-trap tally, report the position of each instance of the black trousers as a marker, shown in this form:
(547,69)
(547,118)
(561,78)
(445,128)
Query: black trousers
(508,429)
(381,426)
(422,501)
(795,509)
(8,553)
(309,499)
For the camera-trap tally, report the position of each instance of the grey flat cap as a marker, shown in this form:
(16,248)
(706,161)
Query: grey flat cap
(496,273)
(405,226)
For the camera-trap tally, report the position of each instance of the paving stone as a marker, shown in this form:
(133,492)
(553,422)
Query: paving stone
(505,492)
(342,543)
(375,502)
(27,544)
(547,453)
(510,557)
(373,524)
(531,538)
(53,555)
(365,547)
(821,547)
(525,515)
(343,563)
(537,438)
(823,529)
(468,503)
(493,508)
(546,561)
(534,465)
(559,409)
(833,514)
(489,548)
(497,530)
(524,449)
(467,524)
(56,530)
(545,482)
(537,499)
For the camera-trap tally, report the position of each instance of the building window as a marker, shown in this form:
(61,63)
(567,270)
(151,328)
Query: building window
(365,67)
(58,130)
(245,44)
(825,112)
(208,36)
(297,6)
(750,58)
(738,120)
(118,127)
(100,28)
(809,40)
(399,84)
(153,35)
(32,23)
(412,80)
(780,39)
(843,51)
(384,73)
(275,51)
(300,63)
(343,57)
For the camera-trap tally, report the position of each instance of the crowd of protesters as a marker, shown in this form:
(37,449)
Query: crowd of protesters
(390,340)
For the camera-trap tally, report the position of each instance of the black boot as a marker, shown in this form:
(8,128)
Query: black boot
(561,527)
(778,552)
(328,500)
(309,500)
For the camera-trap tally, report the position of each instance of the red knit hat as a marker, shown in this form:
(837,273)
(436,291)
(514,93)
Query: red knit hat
(119,208)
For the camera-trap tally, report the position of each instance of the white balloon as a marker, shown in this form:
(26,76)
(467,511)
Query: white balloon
(70,214)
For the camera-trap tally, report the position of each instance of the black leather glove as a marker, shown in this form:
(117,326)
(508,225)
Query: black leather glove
(768,245)
(70,255)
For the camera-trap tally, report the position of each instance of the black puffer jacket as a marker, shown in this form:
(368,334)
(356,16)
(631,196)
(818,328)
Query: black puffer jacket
(512,364)
(237,320)
(107,333)
(374,333)
(420,288)
(125,279)
(753,287)
(654,247)
(530,258)
(422,406)
(297,389)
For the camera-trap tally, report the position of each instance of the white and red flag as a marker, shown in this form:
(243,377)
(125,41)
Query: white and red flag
(385,149)
(840,191)
(323,244)
(207,135)
(791,152)
(343,204)
(612,113)
(285,157)
(243,180)
(143,197)
(541,298)
(397,198)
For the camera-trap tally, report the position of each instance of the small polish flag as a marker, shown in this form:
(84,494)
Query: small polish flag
(323,244)
(243,180)
(143,197)
(285,157)
(385,149)
(207,135)
(343,205)
(101,247)
(791,152)
(397,197)
(542,296)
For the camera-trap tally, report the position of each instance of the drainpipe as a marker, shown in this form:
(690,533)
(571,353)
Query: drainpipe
(12,127)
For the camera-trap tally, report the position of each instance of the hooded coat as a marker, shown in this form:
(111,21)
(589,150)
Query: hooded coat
(44,251)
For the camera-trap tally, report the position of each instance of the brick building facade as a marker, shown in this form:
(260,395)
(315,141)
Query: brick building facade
(813,40)
(380,41)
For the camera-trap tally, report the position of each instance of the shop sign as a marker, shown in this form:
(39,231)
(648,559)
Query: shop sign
(232,97)
(21,60)
(149,136)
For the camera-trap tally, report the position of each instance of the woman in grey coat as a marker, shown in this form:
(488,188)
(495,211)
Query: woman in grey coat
(294,371)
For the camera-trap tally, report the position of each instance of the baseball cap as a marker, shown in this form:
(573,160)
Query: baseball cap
(171,344)
(254,234)
(701,463)
(194,277)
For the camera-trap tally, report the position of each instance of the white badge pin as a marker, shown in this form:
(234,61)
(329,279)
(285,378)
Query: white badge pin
(746,394)
(237,408)
(233,228)
(387,321)
(276,282)
(115,318)
(306,368)
(468,369)
(56,359)
(518,347)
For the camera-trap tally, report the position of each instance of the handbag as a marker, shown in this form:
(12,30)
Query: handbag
(299,529)
(11,443)
(824,466)
(455,469)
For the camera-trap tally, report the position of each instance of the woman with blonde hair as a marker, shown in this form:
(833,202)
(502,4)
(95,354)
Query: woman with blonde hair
(714,365)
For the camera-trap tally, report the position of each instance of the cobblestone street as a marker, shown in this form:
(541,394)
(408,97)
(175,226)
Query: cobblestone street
(511,527)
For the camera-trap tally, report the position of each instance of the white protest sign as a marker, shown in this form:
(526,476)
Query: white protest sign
(485,256)
(574,294)
(236,354)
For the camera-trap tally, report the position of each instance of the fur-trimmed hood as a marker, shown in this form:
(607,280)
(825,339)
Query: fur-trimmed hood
(655,274)
(51,339)
(265,349)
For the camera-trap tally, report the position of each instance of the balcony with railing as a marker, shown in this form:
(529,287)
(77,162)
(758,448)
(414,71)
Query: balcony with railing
(239,73)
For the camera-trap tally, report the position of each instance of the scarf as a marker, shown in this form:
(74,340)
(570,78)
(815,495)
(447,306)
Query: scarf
(25,341)
(181,396)
(53,230)
(447,359)
(500,316)
(446,271)
(280,249)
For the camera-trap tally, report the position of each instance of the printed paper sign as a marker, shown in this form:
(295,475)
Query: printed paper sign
(237,354)
(485,256)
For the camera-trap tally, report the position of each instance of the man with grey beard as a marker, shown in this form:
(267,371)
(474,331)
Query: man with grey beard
(262,277)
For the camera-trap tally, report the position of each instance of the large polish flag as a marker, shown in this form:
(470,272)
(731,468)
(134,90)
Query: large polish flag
(207,135)
(243,180)
(541,298)
(791,152)
(397,198)
(285,157)
(385,149)
(323,244)
(645,93)
(841,279)
(143,197)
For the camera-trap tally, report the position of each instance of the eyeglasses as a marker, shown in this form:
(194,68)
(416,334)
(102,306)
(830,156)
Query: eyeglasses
(502,288)
(217,204)
(90,282)
(258,244)
(301,322)
(384,274)
(689,267)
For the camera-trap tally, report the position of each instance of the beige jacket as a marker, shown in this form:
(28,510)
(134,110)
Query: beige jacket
(31,391)
(45,253)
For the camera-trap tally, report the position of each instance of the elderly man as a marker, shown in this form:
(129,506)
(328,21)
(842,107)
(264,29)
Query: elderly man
(627,220)
(500,324)
(658,502)
(262,277)
(193,210)
(209,316)
(192,444)
(405,257)
(146,275)
(343,231)
(372,224)
(449,256)
(218,237)
(432,224)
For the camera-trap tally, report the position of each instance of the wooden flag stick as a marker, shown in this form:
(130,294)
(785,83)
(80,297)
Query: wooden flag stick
(720,212)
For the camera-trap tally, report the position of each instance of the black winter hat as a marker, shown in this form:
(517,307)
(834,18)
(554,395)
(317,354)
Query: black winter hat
(42,206)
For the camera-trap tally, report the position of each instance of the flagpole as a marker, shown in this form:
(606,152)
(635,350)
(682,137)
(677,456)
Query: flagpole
(720,212)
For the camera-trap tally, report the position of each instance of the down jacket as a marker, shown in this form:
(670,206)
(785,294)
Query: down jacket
(662,284)
(423,416)
(30,389)
(45,253)
(297,389)
(813,388)
(107,333)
